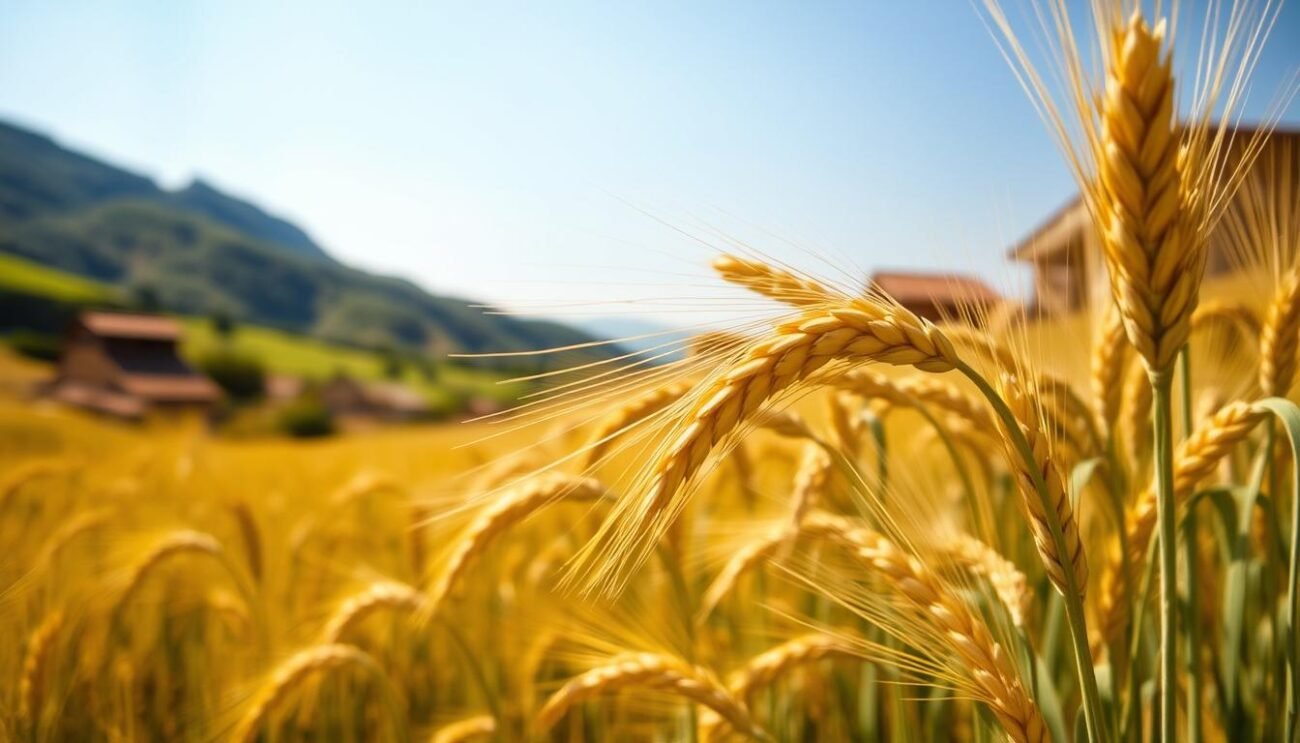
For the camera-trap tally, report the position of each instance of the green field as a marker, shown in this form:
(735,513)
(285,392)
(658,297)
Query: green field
(295,355)
(26,277)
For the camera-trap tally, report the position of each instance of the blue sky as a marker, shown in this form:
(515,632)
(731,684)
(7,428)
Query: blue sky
(558,151)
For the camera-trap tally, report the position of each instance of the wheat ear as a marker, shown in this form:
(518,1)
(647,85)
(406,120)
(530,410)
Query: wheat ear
(1154,261)
(1278,338)
(766,667)
(648,670)
(173,544)
(911,390)
(292,674)
(744,559)
(510,508)
(1027,415)
(1009,584)
(630,414)
(1106,367)
(36,667)
(375,597)
(810,481)
(855,330)
(1195,460)
(480,726)
(1135,423)
(1237,316)
(250,536)
(992,671)
(769,281)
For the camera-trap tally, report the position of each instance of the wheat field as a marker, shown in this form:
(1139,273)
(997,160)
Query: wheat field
(840,521)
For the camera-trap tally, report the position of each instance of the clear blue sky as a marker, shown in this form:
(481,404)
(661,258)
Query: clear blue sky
(498,150)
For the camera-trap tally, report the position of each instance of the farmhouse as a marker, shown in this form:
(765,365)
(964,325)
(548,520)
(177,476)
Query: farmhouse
(937,296)
(1065,251)
(126,365)
(388,401)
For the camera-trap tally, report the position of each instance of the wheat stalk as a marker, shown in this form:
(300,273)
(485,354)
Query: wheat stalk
(479,726)
(1107,368)
(992,672)
(250,537)
(36,667)
(1009,584)
(857,330)
(631,413)
(173,544)
(774,283)
(1196,459)
(290,675)
(766,667)
(1073,560)
(1237,316)
(510,508)
(379,595)
(1279,336)
(744,559)
(1154,261)
(810,481)
(651,671)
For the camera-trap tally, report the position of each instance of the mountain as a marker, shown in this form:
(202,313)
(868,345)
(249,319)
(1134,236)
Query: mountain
(200,251)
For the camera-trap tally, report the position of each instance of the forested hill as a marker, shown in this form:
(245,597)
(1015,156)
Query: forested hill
(201,251)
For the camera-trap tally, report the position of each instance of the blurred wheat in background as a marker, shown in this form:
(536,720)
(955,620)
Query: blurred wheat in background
(845,521)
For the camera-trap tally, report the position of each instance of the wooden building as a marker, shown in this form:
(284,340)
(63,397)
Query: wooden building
(1065,252)
(937,296)
(347,397)
(127,365)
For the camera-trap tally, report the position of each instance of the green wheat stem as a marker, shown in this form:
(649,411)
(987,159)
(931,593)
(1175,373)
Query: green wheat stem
(1161,386)
(1189,549)
(1072,593)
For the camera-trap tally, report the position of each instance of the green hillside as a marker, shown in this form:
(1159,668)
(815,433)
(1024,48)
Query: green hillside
(199,252)
(24,277)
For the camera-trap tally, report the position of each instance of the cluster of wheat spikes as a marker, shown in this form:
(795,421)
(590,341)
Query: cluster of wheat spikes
(839,521)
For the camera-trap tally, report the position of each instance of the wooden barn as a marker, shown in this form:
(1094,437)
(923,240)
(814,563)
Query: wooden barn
(1064,251)
(936,296)
(347,397)
(127,365)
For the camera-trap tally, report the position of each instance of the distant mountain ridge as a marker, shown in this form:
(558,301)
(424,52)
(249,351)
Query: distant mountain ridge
(199,250)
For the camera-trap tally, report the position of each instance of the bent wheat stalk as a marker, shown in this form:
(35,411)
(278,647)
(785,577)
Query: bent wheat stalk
(994,678)
(377,596)
(36,668)
(1279,336)
(510,508)
(855,331)
(293,674)
(771,282)
(470,728)
(1196,459)
(652,671)
(635,411)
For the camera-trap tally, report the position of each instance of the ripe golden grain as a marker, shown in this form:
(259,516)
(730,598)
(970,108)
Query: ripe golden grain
(1195,459)
(992,673)
(772,282)
(36,667)
(1106,367)
(375,597)
(471,728)
(1073,560)
(650,671)
(1009,584)
(172,545)
(630,414)
(510,508)
(1279,336)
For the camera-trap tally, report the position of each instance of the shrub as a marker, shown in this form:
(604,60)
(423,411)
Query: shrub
(307,418)
(241,376)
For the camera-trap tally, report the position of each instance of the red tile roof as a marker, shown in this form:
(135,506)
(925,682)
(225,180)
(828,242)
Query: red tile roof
(909,287)
(123,325)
